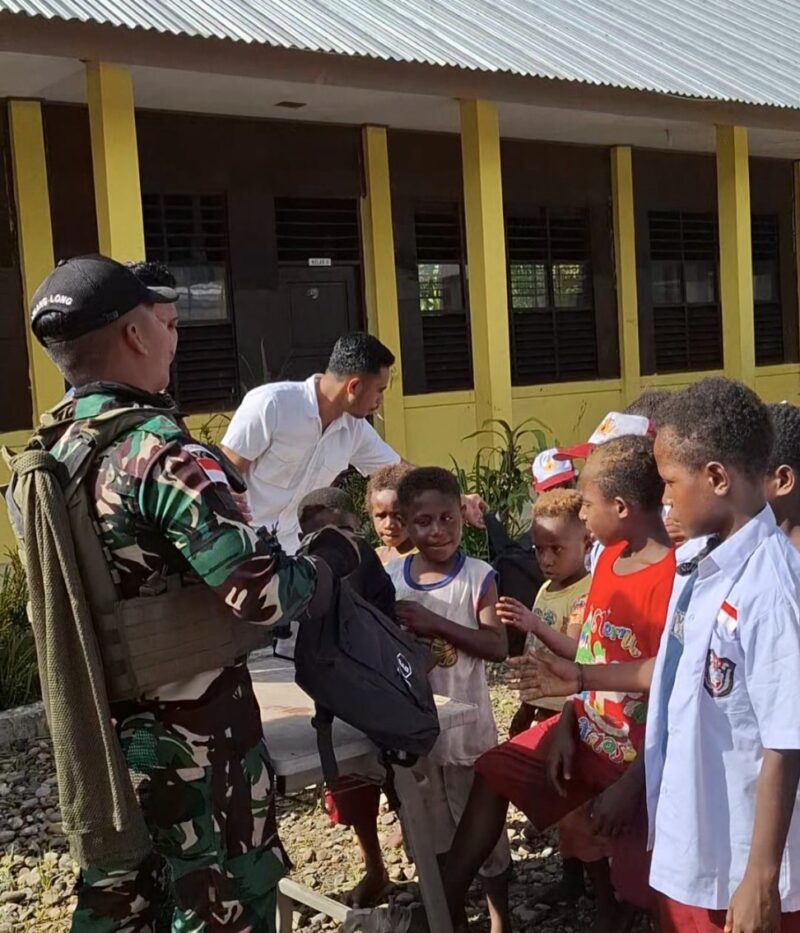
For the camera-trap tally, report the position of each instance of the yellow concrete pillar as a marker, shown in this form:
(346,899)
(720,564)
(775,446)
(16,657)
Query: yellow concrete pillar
(625,265)
(115,160)
(796,204)
(380,277)
(735,253)
(34,237)
(486,259)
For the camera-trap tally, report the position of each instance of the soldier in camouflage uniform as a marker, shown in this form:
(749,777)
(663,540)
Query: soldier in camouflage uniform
(166,503)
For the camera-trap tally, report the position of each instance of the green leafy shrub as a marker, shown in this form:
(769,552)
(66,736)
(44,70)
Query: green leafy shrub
(501,475)
(19,674)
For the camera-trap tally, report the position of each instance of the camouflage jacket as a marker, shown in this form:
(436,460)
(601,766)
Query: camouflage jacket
(164,505)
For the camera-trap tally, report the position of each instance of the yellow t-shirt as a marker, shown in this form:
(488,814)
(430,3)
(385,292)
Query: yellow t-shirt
(558,610)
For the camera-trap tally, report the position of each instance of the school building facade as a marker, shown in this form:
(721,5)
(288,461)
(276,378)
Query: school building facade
(541,208)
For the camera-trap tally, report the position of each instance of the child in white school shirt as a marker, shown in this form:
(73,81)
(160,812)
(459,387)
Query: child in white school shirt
(449,598)
(723,731)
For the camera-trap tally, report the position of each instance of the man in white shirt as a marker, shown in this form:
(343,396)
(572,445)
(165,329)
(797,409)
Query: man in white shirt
(289,438)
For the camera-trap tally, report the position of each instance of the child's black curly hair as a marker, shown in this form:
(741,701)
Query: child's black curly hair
(649,403)
(720,420)
(626,468)
(426,479)
(786,447)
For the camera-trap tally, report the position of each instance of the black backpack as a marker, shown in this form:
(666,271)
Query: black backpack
(358,665)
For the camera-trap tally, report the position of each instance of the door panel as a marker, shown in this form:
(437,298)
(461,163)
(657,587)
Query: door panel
(318,305)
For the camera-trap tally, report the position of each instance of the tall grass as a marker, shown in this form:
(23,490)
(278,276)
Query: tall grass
(19,674)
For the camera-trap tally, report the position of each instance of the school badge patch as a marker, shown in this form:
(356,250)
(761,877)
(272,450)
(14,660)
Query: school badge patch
(718,679)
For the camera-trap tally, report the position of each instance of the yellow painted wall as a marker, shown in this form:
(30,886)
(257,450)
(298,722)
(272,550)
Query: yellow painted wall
(570,411)
(779,383)
(436,428)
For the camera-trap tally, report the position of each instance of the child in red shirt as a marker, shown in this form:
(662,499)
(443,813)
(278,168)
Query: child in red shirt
(558,766)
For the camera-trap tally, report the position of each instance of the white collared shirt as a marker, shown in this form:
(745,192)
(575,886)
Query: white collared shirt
(725,688)
(278,427)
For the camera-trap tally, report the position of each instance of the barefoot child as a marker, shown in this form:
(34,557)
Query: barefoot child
(561,542)
(450,598)
(723,735)
(590,752)
(385,512)
(355,801)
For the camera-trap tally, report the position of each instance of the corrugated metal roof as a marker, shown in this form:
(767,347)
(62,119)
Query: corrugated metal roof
(734,50)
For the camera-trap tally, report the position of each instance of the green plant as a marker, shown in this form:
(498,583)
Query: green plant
(501,474)
(19,674)
(213,428)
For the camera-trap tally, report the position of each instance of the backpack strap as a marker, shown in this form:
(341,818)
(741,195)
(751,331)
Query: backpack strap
(323,723)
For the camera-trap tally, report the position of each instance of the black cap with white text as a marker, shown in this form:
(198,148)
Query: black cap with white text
(86,293)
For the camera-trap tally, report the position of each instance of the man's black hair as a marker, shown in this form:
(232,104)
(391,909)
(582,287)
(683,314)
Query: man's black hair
(786,447)
(359,354)
(153,273)
(427,479)
(720,420)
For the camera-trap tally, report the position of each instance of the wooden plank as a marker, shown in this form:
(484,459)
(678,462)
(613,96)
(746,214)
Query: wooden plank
(318,902)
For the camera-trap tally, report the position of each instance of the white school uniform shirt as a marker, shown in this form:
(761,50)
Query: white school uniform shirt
(278,427)
(457,675)
(726,687)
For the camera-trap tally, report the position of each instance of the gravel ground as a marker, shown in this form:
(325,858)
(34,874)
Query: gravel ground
(37,875)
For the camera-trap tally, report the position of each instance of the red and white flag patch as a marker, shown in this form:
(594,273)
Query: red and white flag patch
(207,463)
(728,617)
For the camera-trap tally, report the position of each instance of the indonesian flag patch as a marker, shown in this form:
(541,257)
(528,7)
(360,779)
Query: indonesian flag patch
(728,617)
(206,461)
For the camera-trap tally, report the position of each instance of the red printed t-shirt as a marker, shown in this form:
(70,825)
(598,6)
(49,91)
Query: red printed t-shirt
(624,618)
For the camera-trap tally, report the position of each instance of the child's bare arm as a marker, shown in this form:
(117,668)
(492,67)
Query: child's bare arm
(756,904)
(512,612)
(488,642)
(540,675)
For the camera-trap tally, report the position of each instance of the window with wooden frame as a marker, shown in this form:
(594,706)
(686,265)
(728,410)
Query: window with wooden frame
(442,298)
(684,264)
(189,234)
(550,297)
(768,320)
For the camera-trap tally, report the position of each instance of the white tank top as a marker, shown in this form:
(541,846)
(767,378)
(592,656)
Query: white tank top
(457,675)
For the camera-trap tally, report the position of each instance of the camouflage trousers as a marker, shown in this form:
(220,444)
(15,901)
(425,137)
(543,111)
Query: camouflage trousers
(205,785)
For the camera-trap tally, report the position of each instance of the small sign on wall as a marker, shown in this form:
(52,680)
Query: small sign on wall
(319,261)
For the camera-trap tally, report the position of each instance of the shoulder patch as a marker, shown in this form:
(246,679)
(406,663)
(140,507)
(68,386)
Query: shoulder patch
(208,463)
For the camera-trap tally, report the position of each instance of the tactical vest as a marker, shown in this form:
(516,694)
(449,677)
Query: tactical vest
(176,628)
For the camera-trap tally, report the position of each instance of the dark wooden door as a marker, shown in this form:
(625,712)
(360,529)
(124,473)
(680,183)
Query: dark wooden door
(318,305)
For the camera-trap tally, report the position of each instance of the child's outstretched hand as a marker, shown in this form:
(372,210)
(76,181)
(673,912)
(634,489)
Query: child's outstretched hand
(512,612)
(542,674)
(755,906)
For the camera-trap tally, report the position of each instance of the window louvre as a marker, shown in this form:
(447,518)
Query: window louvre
(551,303)
(768,322)
(687,321)
(189,233)
(442,303)
(308,228)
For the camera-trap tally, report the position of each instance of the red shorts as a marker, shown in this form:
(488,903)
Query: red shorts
(353,802)
(517,772)
(680,918)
